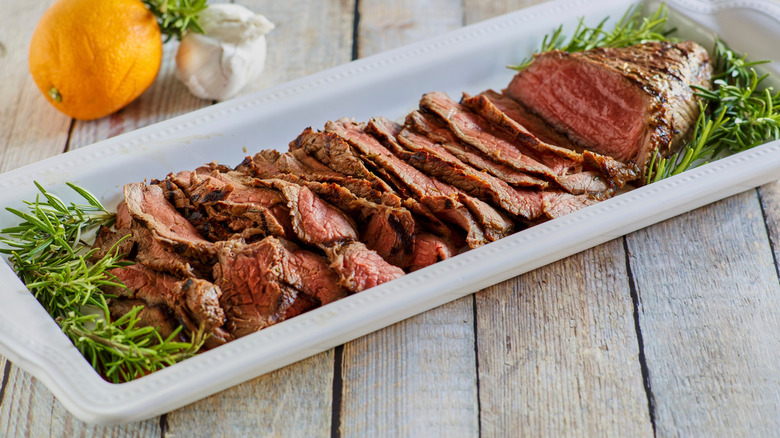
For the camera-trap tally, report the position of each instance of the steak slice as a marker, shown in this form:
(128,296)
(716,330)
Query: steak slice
(481,222)
(261,281)
(319,144)
(628,103)
(478,133)
(359,268)
(332,151)
(148,316)
(435,130)
(314,221)
(434,160)
(148,205)
(499,110)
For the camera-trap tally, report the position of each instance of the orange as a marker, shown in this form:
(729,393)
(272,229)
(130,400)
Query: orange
(90,58)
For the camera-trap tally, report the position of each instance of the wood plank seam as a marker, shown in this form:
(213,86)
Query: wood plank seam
(4,383)
(641,345)
(71,128)
(163,425)
(772,243)
(356,31)
(476,362)
(338,388)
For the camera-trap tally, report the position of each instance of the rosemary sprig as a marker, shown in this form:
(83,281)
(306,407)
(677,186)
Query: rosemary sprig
(632,29)
(50,254)
(177,17)
(738,114)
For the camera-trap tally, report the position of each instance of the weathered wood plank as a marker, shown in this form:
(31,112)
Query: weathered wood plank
(558,351)
(476,10)
(30,128)
(769,196)
(292,401)
(710,319)
(415,378)
(29,410)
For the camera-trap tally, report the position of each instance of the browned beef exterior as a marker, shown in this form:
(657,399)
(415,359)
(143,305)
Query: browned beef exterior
(425,124)
(444,200)
(331,150)
(192,302)
(261,282)
(627,103)
(478,133)
(148,205)
(570,165)
(360,269)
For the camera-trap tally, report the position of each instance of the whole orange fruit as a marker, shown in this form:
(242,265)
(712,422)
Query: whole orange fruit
(90,58)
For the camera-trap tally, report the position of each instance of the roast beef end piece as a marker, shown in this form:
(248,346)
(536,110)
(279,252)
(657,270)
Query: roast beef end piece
(197,305)
(359,268)
(627,103)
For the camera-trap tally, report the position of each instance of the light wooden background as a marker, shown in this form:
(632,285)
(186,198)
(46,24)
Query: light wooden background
(672,330)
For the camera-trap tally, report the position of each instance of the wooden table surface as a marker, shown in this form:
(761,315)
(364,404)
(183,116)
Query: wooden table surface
(671,330)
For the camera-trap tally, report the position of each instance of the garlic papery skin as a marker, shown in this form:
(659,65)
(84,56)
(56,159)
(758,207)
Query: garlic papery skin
(218,64)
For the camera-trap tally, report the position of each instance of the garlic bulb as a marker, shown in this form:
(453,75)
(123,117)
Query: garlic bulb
(218,64)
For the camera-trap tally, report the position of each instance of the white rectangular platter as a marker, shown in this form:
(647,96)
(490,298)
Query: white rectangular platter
(390,84)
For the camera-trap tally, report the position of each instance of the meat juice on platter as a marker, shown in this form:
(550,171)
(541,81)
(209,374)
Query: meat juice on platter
(232,250)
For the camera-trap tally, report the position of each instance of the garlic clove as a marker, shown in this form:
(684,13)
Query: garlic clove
(218,64)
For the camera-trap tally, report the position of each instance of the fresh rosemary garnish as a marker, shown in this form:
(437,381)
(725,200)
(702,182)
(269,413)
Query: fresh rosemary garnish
(50,254)
(630,30)
(177,17)
(738,114)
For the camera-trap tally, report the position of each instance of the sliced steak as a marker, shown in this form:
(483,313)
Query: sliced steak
(478,133)
(509,114)
(360,269)
(332,151)
(314,221)
(193,302)
(148,205)
(433,159)
(443,199)
(261,281)
(628,103)
(435,130)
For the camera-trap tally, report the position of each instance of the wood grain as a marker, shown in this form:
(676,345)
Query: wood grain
(292,401)
(30,128)
(710,318)
(415,378)
(561,339)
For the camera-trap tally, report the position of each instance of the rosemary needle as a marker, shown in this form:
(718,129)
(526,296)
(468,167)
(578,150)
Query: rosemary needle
(50,254)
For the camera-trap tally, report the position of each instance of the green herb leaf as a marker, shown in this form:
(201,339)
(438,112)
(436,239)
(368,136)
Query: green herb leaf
(630,30)
(177,17)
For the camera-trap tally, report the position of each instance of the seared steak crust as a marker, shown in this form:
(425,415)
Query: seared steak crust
(628,103)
